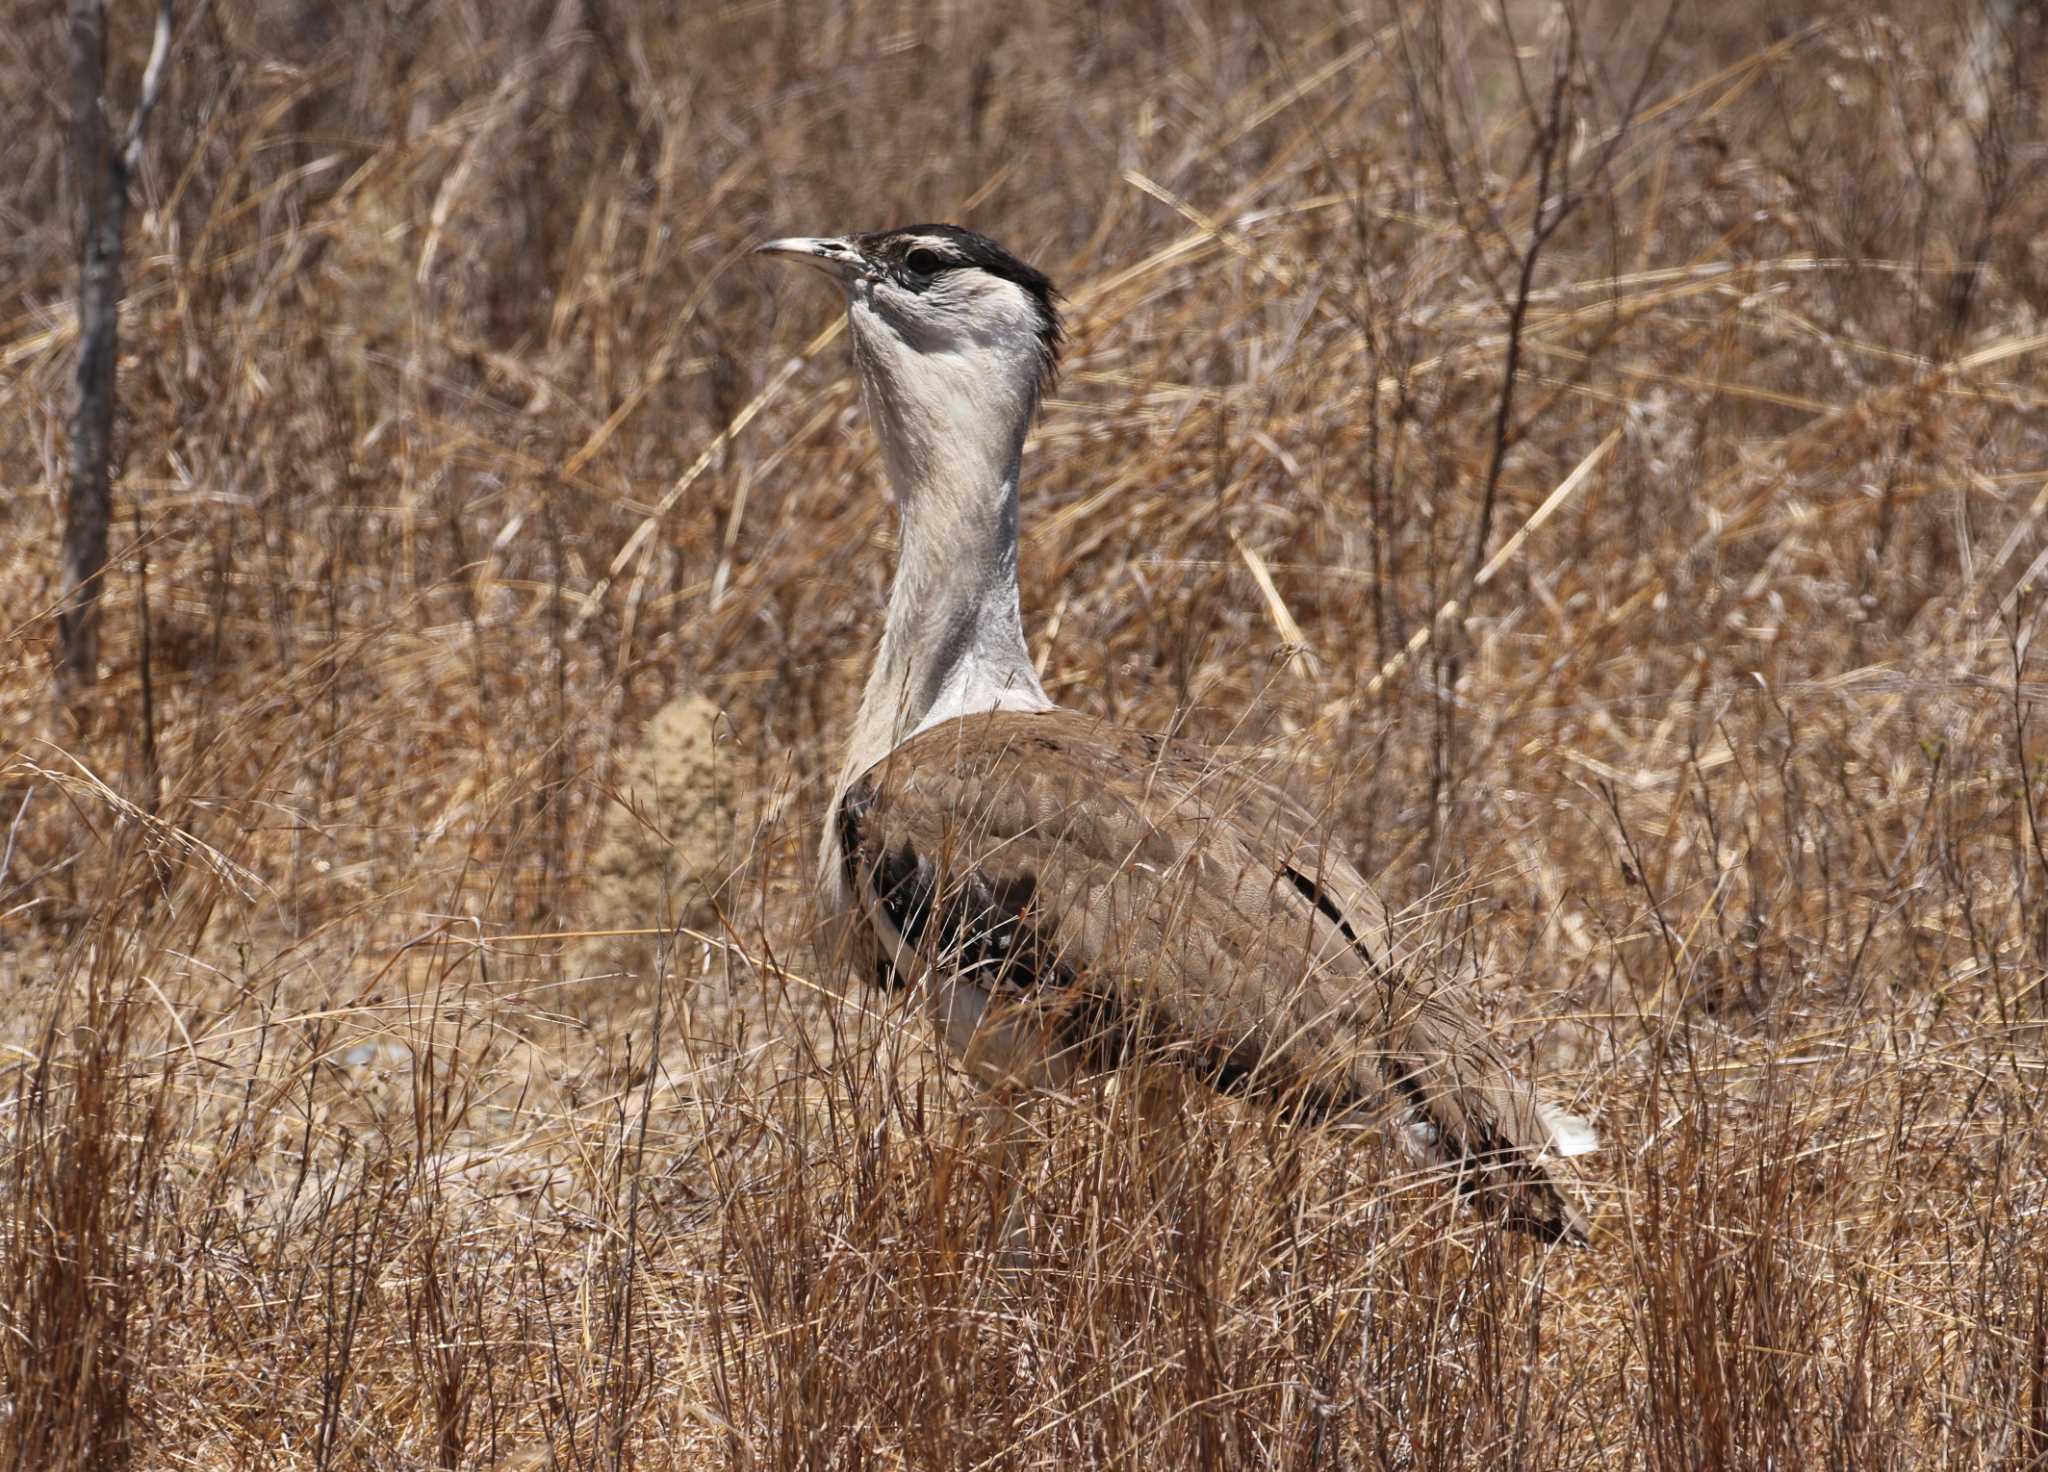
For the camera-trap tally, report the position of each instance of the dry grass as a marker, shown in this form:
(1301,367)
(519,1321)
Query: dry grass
(460,435)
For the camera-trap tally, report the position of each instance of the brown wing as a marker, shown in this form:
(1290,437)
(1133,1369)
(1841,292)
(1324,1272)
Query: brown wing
(1119,898)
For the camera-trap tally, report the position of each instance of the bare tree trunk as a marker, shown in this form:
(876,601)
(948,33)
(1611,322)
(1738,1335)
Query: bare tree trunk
(102,167)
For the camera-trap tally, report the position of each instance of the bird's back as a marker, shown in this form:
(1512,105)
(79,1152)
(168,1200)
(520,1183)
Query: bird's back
(1077,897)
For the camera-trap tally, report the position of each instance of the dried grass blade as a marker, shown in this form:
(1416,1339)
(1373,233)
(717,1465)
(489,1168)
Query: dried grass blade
(688,478)
(1500,559)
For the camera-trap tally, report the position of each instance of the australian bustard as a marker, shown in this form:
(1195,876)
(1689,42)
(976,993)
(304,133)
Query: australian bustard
(1071,897)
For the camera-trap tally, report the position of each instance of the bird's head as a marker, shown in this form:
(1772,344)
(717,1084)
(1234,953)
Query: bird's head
(954,337)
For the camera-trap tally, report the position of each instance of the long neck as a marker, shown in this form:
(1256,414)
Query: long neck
(953,641)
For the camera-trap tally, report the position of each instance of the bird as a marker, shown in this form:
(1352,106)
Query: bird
(1069,898)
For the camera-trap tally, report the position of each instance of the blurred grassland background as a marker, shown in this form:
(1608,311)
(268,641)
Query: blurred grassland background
(1607,450)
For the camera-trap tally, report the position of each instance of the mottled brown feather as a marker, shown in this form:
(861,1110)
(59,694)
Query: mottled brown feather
(1078,897)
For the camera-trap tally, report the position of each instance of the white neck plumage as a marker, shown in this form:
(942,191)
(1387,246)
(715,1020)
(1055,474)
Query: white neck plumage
(952,431)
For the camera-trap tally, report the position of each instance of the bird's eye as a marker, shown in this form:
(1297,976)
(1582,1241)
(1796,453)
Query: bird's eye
(924,262)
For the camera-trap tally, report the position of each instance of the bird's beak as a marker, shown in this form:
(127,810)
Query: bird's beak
(836,257)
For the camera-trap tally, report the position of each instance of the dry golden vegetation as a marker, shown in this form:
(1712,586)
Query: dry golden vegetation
(1609,456)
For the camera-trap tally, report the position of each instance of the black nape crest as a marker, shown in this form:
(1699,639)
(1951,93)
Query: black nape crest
(964,248)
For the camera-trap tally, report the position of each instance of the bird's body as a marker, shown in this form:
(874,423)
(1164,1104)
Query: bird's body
(1070,897)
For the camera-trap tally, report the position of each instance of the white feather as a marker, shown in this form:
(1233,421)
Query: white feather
(1569,1134)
